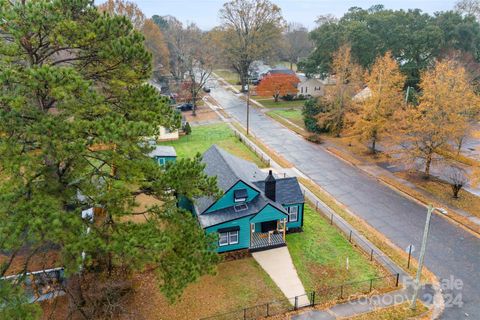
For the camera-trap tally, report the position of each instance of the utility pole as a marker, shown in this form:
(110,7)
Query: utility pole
(416,284)
(248,107)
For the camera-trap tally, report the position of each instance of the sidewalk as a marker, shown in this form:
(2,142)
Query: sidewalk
(279,266)
(357,307)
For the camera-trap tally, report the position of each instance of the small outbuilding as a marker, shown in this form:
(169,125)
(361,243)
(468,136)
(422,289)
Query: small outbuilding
(163,154)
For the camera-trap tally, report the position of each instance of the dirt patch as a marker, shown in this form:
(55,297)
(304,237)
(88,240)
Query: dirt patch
(203,114)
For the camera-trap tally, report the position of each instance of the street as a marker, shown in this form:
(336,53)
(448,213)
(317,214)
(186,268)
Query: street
(452,252)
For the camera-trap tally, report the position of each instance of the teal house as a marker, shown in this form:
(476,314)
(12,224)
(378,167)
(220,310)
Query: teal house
(256,209)
(163,154)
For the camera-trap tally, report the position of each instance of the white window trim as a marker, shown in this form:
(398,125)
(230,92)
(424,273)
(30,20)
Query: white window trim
(228,235)
(161,161)
(237,200)
(234,233)
(292,211)
(225,234)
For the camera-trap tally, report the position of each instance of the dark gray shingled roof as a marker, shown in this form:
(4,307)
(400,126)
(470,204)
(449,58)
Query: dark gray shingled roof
(287,190)
(229,169)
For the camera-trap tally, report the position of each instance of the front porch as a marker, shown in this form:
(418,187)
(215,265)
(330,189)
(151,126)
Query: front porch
(271,235)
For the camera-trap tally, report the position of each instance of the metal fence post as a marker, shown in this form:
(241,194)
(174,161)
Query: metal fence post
(244,313)
(371,285)
(371,255)
(350,237)
(331,219)
(313,299)
(296,303)
(268,311)
(398,278)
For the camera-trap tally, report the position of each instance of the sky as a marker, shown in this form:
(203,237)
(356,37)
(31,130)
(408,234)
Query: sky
(205,12)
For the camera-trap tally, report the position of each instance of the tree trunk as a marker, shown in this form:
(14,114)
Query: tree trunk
(194,103)
(275,97)
(456,190)
(428,163)
(291,65)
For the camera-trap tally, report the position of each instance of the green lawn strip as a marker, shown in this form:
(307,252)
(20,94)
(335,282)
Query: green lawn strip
(228,75)
(281,103)
(320,253)
(203,137)
(293,115)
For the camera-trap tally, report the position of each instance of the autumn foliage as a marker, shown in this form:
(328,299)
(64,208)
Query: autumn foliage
(277,85)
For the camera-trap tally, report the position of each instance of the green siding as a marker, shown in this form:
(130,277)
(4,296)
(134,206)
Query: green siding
(299,222)
(243,234)
(268,213)
(226,200)
(164,160)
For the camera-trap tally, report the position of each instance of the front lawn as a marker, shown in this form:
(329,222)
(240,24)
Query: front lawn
(237,284)
(228,75)
(270,103)
(320,255)
(293,115)
(203,137)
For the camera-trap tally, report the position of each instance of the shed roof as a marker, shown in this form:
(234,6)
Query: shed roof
(163,151)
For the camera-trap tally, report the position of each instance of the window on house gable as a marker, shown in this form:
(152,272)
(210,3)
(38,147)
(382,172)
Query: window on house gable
(240,195)
(292,214)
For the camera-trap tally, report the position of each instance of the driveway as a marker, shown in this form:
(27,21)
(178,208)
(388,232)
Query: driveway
(453,253)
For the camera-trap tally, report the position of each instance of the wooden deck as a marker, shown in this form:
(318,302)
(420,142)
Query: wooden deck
(261,241)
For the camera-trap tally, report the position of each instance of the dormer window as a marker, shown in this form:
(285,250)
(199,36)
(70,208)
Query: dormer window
(240,195)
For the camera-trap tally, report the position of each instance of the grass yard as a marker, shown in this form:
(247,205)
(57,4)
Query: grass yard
(442,191)
(229,76)
(203,137)
(293,115)
(398,312)
(270,103)
(320,253)
(237,284)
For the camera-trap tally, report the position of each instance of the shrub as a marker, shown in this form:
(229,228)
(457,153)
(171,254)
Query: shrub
(315,138)
(310,112)
(187,129)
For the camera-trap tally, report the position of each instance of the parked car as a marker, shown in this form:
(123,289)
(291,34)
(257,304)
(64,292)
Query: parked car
(185,107)
(206,89)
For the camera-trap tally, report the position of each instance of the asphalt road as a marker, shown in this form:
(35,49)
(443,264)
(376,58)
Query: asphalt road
(452,252)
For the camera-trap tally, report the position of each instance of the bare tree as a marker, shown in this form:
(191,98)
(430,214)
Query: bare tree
(457,178)
(251,31)
(326,18)
(296,44)
(177,39)
(198,61)
(468,7)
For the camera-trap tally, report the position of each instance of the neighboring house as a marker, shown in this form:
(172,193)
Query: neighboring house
(255,210)
(311,87)
(280,71)
(363,95)
(164,134)
(163,154)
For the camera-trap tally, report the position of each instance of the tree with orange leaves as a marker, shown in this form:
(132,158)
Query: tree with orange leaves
(447,104)
(277,85)
(374,114)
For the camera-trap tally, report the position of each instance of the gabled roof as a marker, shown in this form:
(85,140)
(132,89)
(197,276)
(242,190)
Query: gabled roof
(287,190)
(229,170)
(163,151)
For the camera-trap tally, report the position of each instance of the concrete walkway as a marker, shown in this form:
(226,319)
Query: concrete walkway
(279,266)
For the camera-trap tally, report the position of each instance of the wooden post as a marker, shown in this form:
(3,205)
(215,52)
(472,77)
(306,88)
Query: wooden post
(284,229)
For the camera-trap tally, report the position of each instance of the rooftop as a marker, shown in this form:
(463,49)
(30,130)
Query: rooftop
(163,151)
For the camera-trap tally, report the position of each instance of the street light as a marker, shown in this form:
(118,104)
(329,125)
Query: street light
(248,106)
(421,258)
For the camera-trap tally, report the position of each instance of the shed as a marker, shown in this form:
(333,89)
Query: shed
(163,154)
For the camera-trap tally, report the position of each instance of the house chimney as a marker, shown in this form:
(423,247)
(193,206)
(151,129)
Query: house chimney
(270,186)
